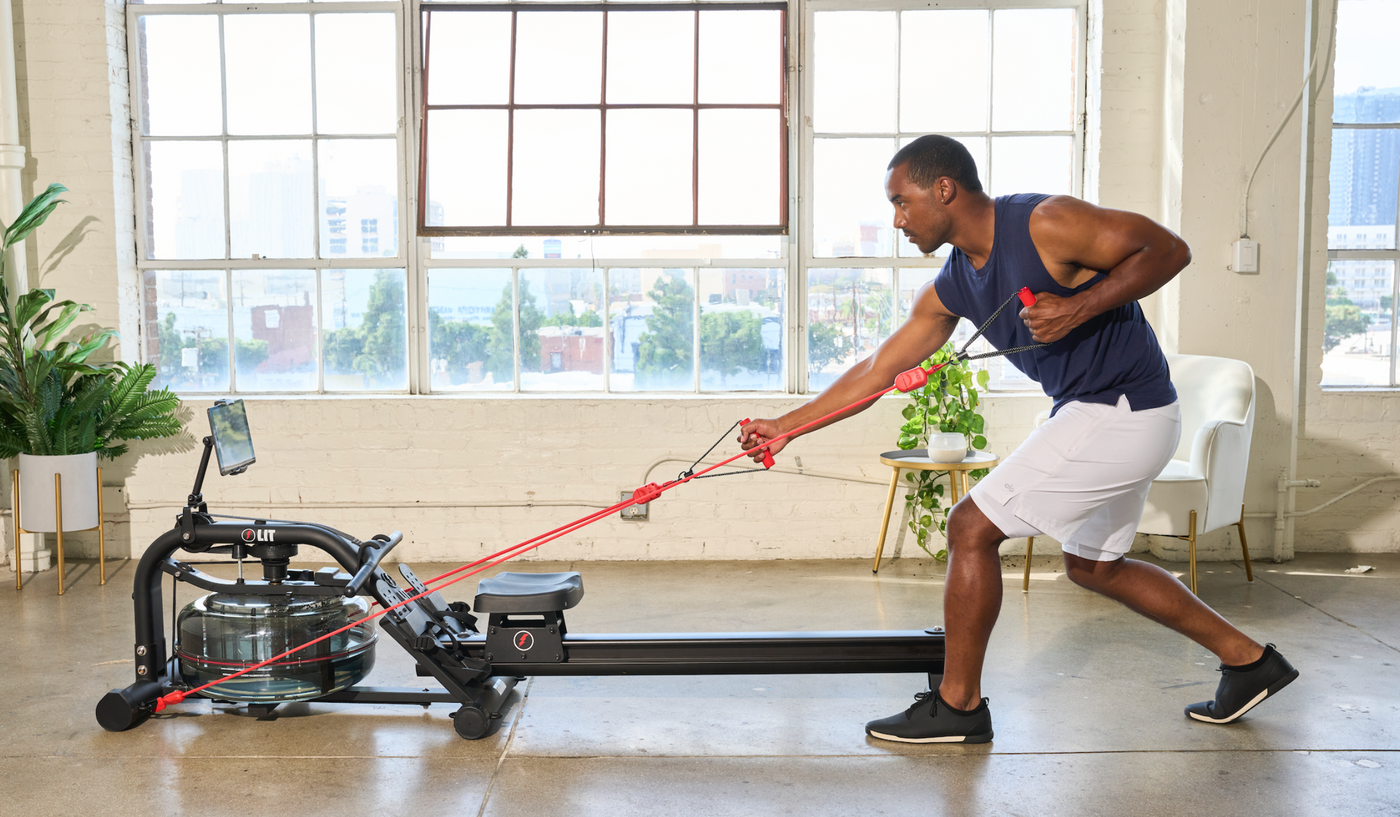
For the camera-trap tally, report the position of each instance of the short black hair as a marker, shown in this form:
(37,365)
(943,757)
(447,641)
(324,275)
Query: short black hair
(932,156)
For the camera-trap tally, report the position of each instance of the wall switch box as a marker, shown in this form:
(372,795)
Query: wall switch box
(1246,256)
(636,513)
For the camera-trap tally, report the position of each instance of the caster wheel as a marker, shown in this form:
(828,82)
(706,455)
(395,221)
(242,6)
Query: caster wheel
(471,722)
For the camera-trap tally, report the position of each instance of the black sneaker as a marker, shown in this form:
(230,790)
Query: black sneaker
(1241,690)
(930,720)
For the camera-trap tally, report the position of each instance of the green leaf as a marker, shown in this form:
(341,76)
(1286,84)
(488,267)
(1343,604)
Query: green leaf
(983,378)
(909,412)
(938,490)
(926,520)
(979,442)
(34,214)
(976,423)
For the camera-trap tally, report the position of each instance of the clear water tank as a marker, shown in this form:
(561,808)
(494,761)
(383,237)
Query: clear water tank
(222,633)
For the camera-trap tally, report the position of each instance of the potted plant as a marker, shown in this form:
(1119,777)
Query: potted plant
(947,403)
(58,411)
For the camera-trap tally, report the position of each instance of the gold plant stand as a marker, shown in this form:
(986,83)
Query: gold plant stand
(58,526)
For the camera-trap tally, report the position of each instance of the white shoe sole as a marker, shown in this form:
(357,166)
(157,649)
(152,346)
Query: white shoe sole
(1288,679)
(948,739)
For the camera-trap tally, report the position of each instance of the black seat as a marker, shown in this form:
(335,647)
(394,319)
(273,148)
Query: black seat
(528,592)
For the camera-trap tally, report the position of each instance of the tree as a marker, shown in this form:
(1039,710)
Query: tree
(570,318)
(500,344)
(666,353)
(458,344)
(377,347)
(731,341)
(1344,318)
(824,345)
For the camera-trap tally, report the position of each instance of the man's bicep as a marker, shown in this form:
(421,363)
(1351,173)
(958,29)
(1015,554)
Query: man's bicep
(1098,238)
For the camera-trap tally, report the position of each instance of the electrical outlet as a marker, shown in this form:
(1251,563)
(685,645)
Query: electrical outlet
(636,513)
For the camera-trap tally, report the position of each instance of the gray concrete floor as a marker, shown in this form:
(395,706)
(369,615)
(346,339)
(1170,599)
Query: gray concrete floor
(1086,698)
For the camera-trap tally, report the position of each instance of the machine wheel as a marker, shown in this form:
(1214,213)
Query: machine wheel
(471,722)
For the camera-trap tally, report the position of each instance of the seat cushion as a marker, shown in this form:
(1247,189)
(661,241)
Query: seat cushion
(528,592)
(1174,494)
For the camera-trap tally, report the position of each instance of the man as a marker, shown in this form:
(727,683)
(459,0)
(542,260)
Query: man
(1083,476)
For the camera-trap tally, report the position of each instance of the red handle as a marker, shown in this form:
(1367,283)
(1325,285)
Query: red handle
(767,455)
(1026,297)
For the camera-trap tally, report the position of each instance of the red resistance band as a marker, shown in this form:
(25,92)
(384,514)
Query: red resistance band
(914,378)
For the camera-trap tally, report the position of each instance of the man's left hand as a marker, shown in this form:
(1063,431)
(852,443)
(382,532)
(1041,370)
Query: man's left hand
(1051,318)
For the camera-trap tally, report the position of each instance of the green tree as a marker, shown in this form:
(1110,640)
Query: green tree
(731,341)
(666,353)
(1343,318)
(824,345)
(459,344)
(1386,301)
(520,252)
(377,347)
(500,344)
(570,318)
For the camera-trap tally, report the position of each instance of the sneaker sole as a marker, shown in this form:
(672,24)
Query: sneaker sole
(949,739)
(1272,689)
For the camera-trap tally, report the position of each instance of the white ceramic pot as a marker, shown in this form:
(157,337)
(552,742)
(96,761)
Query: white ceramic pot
(947,447)
(36,493)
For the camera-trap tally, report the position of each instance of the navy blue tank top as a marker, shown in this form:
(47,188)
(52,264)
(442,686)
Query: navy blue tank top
(1113,354)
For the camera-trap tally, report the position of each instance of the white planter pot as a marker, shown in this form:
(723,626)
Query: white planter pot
(36,493)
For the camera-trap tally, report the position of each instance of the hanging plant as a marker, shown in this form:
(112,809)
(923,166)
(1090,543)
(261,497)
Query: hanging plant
(947,404)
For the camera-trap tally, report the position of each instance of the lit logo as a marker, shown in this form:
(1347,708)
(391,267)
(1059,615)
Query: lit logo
(524,641)
(262,535)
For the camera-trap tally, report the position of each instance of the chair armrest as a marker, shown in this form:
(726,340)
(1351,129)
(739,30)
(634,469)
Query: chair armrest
(1041,419)
(1220,454)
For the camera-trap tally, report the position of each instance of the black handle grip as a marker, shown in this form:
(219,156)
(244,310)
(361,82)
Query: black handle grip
(371,554)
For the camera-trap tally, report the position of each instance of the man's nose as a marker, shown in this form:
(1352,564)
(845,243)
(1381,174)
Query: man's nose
(899,220)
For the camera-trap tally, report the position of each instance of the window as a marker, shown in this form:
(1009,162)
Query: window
(1359,331)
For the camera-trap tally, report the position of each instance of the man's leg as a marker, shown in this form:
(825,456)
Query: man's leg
(971,602)
(1153,592)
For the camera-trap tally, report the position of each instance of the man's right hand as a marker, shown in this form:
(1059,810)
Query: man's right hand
(756,433)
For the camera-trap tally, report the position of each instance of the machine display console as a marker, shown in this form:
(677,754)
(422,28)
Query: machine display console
(233,442)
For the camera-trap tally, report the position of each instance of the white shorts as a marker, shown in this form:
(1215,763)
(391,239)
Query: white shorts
(1082,477)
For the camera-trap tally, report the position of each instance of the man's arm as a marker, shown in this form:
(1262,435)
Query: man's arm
(929,326)
(1077,239)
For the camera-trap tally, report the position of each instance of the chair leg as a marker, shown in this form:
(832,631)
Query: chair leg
(885,524)
(1026,581)
(1244,546)
(1192,540)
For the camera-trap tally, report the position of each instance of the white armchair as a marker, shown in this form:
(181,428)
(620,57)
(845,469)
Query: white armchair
(1202,488)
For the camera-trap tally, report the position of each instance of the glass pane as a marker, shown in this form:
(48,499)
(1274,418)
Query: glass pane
(741,57)
(650,175)
(355,74)
(471,330)
(359,198)
(1032,164)
(850,215)
(855,84)
(187,311)
(652,317)
(741,329)
(267,60)
(1368,74)
(849,313)
(180,73)
(555,168)
(186,190)
(740,170)
(365,330)
(558,57)
(1356,346)
(977,146)
(270,199)
(611,246)
(467,168)
(651,57)
(1033,69)
(1364,177)
(931,43)
(911,281)
(469,58)
(274,329)
(561,330)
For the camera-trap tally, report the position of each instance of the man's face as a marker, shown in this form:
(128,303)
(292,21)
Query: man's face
(919,213)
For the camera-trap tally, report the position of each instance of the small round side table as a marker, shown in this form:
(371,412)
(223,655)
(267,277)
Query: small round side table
(916,459)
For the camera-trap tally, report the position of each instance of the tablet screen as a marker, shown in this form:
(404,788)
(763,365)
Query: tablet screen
(233,442)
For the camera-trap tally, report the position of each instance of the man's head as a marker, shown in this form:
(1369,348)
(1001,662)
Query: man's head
(924,180)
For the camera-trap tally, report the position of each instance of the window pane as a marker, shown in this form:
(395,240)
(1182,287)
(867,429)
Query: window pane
(611,246)
(855,83)
(471,330)
(555,168)
(910,282)
(187,313)
(558,57)
(467,168)
(270,199)
(1368,73)
(652,319)
(365,342)
(741,57)
(850,215)
(186,190)
(651,57)
(1033,69)
(267,61)
(274,329)
(649,171)
(180,76)
(1032,164)
(931,98)
(360,205)
(355,75)
(741,329)
(740,171)
(1357,333)
(1364,177)
(469,58)
(561,330)
(849,313)
(977,146)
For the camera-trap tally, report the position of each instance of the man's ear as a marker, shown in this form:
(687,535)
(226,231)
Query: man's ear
(947,190)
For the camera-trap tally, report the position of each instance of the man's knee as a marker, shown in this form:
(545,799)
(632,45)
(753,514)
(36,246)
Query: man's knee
(1088,573)
(968,528)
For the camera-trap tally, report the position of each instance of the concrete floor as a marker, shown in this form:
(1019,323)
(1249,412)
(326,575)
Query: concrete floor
(1086,700)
